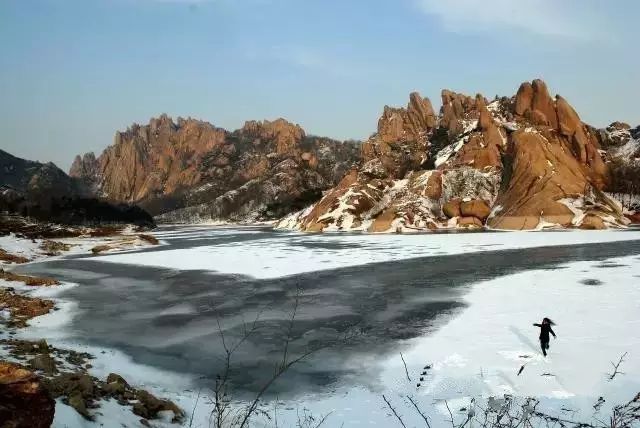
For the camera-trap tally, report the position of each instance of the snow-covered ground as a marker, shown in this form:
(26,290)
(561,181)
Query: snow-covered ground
(293,253)
(476,354)
(479,353)
(31,248)
(26,248)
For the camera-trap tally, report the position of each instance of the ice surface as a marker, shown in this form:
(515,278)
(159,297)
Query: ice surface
(475,354)
(478,353)
(291,253)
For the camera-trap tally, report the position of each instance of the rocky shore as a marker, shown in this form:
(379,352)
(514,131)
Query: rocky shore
(36,377)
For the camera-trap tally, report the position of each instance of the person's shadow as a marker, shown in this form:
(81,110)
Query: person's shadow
(523,338)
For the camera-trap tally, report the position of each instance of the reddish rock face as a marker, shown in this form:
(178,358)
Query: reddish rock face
(452,208)
(518,163)
(157,159)
(475,208)
(485,144)
(455,108)
(285,135)
(433,189)
(403,133)
(167,166)
(524,99)
(544,172)
(398,124)
(24,403)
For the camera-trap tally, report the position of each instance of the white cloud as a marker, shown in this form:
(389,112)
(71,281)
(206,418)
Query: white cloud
(556,18)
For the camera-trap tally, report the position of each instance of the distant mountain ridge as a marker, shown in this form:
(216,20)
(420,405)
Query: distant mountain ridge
(190,170)
(45,193)
(521,162)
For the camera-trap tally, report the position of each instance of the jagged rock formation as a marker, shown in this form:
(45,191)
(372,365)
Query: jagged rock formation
(86,168)
(623,160)
(192,171)
(523,162)
(402,137)
(44,192)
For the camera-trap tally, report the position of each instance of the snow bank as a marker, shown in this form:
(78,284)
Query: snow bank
(20,246)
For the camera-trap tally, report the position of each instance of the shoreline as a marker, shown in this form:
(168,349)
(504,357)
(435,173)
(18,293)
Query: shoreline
(77,374)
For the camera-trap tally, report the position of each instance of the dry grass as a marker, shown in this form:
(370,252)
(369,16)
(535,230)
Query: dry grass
(11,258)
(150,239)
(54,248)
(102,232)
(32,281)
(22,308)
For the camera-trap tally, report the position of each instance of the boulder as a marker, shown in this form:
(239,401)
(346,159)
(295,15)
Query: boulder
(452,208)
(79,404)
(615,135)
(116,385)
(148,406)
(543,102)
(24,401)
(484,146)
(470,222)
(537,117)
(45,363)
(475,208)
(116,378)
(592,222)
(408,123)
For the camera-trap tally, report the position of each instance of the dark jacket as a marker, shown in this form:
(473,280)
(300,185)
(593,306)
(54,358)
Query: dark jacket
(545,329)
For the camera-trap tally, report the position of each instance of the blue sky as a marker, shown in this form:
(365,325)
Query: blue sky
(73,72)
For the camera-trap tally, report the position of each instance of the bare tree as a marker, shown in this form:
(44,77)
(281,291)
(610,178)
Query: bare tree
(616,367)
(227,413)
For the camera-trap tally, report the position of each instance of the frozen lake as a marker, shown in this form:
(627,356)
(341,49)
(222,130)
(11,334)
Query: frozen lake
(462,303)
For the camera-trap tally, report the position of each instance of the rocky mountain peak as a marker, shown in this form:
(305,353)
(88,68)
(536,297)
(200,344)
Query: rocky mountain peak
(86,168)
(285,134)
(457,111)
(84,165)
(520,162)
(402,138)
(179,168)
(535,104)
(408,124)
(616,134)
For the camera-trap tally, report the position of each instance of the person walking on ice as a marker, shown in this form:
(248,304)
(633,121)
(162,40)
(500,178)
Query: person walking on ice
(545,329)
